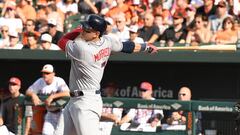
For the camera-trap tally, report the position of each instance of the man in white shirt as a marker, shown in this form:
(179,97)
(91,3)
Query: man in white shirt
(54,87)
(14,41)
(46,42)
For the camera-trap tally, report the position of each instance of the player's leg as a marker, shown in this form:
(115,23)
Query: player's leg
(60,126)
(86,122)
(48,127)
(67,121)
(65,124)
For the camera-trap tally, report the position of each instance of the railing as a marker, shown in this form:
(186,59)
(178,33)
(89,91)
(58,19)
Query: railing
(174,105)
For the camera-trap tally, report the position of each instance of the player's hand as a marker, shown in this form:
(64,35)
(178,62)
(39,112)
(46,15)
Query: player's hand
(36,100)
(49,100)
(151,48)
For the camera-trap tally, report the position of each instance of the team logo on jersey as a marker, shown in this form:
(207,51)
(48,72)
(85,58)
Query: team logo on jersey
(101,54)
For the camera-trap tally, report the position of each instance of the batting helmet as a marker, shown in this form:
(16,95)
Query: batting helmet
(95,22)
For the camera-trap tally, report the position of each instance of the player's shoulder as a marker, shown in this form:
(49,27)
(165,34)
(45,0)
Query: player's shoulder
(59,79)
(106,37)
(110,38)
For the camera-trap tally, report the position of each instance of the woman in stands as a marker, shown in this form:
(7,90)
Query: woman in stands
(199,34)
(228,34)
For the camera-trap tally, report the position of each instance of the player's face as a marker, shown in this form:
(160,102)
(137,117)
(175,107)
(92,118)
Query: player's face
(89,35)
(145,94)
(184,95)
(48,77)
(13,88)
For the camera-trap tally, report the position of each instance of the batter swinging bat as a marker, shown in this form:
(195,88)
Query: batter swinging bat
(203,47)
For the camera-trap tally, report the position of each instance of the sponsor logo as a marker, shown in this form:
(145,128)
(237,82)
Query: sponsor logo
(176,106)
(153,106)
(133,91)
(118,103)
(215,108)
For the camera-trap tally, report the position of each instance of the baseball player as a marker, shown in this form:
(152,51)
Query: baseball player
(89,50)
(54,87)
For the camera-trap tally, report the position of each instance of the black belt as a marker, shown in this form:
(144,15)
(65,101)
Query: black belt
(56,111)
(77,93)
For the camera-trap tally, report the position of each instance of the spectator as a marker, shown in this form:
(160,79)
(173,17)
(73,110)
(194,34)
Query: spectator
(207,9)
(107,5)
(10,19)
(87,7)
(110,25)
(4,39)
(46,42)
(215,21)
(158,21)
(137,12)
(228,34)
(68,5)
(10,123)
(134,35)
(14,41)
(179,6)
(199,34)
(190,18)
(32,40)
(181,117)
(160,10)
(52,13)
(143,116)
(54,87)
(120,7)
(109,115)
(27,10)
(52,29)
(150,31)
(177,33)
(121,30)
(29,27)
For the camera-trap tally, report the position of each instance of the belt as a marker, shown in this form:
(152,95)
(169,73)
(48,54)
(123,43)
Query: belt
(77,93)
(56,111)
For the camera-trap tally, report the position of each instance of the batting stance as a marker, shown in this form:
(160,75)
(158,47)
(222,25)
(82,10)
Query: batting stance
(89,51)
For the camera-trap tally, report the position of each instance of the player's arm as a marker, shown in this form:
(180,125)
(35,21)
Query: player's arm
(69,37)
(109,116)
(35,98)
(125,119)
(49,100)
(130,47)
(27,125)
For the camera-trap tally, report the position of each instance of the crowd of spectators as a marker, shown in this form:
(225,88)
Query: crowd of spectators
(164,23)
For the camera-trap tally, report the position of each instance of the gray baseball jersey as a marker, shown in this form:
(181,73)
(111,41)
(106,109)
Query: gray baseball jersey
(88,60)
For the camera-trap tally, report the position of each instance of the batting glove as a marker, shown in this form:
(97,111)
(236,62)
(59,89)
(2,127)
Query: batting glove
(151,48)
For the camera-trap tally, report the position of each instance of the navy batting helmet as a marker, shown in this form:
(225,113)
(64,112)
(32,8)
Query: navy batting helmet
(95,22)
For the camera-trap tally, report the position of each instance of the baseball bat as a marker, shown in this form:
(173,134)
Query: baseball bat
(203,47)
